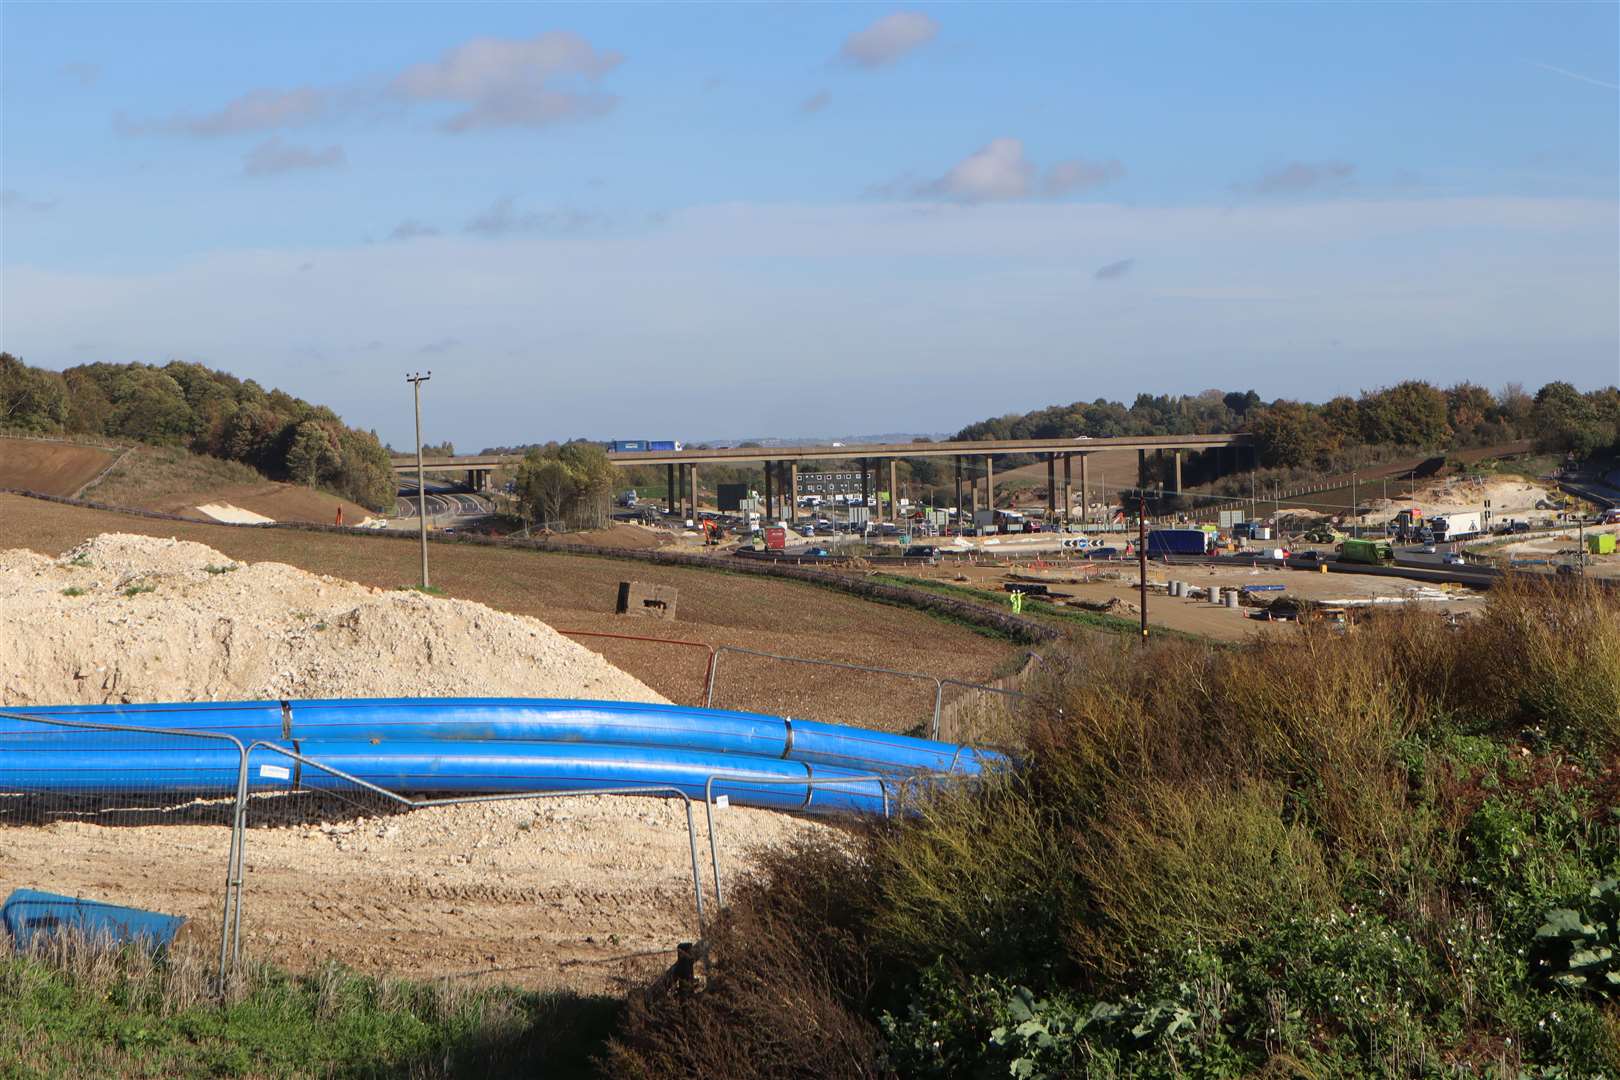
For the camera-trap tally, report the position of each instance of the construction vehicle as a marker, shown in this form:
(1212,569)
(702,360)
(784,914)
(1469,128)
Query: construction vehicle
(714,533)
(1374,552)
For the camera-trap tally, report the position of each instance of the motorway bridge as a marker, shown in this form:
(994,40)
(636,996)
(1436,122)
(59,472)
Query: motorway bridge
(974,461)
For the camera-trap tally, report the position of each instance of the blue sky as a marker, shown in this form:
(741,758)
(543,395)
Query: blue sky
(709,220)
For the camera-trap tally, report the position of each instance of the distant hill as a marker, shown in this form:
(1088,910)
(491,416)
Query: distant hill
(203,411)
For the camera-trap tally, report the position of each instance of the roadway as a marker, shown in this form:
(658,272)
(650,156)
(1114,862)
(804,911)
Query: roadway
(448,506)
(755,454)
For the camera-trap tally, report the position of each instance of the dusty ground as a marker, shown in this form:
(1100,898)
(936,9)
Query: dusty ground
(582,892)
(278,502)
(1119,581)
(547,892)
(51,467)
(576,592)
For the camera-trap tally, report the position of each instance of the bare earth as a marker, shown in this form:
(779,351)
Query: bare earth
(547,892)
(50,467)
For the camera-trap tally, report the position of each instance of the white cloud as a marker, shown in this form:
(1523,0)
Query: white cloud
(998,171)
(503,82)
(888,39)
(1076,175)
(256,110)
(274,156)
(503,218)
(1114,270)
(1299,176)
(83,74)
(411,229)
(12,199)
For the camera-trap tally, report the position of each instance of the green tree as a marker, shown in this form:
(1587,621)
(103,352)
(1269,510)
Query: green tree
(1411,413)
(31,399)
(313,455)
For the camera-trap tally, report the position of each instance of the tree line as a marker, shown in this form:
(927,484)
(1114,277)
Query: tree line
(205,411)
(1297,434)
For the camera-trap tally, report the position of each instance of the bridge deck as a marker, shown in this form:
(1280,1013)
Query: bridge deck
(740,454)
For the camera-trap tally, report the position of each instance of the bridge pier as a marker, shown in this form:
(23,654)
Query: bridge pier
(1085,491)
(793,491)
(1141,468)
(1051,488)
(1177,455)
(769,513)
(894,490)
(1068,490)
(990,483)
(960,508)
(669,488)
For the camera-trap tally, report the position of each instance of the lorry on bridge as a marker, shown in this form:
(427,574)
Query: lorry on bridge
(642,446)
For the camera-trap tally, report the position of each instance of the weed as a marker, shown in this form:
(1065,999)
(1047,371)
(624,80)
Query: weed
(72,590)
(430,590)
(140,587)
(221,569)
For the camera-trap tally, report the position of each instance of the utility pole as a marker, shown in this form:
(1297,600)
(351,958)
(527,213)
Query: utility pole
(1355,503)
(416,382)
(1141,552)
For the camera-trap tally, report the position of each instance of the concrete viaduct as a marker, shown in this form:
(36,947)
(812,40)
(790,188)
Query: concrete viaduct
(782,466)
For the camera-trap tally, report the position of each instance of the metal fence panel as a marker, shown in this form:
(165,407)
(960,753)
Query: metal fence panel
(127,814)
(348,870)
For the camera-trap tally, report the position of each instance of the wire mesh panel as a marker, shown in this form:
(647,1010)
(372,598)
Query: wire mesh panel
(118,817)
(980,716)
(588,890)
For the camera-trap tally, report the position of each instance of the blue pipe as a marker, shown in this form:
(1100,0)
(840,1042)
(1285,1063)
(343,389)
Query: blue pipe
(542,720)
(64,765)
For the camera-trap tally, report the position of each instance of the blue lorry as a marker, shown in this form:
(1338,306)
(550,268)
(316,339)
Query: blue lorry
(1177,542)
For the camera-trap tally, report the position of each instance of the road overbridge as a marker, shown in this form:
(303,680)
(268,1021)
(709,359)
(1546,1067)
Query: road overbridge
(974,463)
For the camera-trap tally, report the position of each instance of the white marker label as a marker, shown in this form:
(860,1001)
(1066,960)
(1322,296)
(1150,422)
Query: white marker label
(722,801)
(275,772)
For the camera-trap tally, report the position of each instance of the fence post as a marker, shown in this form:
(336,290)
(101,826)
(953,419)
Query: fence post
(939,701)
(708,690)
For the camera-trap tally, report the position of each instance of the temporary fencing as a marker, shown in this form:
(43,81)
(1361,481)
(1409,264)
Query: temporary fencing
(81,778)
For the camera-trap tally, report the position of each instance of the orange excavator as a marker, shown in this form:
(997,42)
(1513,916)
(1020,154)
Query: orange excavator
(713,532)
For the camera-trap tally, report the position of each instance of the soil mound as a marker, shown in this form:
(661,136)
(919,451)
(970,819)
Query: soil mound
(125,618)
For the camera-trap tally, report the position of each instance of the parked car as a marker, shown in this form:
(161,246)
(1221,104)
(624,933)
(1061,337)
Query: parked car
(921,551)
(815,553)
(1453,559)
(1315,556)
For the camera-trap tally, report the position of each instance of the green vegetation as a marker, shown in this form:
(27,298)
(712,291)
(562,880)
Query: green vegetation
(1384,853)
(206,411)
(140,587)
(1411,415)
(428,590)
(566,486)
(88,1011)
(216,570)
(72,590)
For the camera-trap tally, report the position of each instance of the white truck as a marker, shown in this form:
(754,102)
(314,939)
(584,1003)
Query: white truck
(1458,526)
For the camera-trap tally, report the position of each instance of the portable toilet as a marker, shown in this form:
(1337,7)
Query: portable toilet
(1601,544)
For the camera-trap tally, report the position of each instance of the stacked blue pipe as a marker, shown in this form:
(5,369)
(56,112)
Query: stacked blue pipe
(473,746)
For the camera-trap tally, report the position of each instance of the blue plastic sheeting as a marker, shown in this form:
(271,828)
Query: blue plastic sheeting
(541,720)
(427,767)
(28,913)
